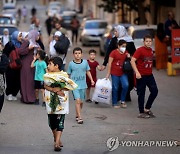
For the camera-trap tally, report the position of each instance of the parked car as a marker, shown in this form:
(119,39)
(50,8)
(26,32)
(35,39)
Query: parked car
(67,16)
(10,13)
(92,31)
(107,36)
(138,32)
(6,19)
(11,29)
(9,4)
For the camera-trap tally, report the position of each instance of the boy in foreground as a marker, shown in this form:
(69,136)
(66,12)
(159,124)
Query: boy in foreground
(56,82)
(142,62)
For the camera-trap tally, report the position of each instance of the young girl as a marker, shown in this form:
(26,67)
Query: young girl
(115,68)
(93,64)
(40,69)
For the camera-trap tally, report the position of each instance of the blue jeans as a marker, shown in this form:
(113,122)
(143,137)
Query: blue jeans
(116,82)
(150,82)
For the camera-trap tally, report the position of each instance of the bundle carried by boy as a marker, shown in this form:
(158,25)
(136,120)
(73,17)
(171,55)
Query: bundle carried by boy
(61,80)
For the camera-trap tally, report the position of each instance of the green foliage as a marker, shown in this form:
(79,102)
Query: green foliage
(113,5)
(110,5)
(54,101)
(58,84)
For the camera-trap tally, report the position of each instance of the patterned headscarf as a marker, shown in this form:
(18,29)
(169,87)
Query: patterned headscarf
(123,35)
(32,36)
(14,39)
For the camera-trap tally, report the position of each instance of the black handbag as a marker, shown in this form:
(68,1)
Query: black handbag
(127,65)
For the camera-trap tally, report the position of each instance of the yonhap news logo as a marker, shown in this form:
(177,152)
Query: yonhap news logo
(113,143)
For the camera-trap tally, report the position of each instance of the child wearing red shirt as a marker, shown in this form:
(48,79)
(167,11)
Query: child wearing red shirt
(142,62)
(93,64)
(115,68)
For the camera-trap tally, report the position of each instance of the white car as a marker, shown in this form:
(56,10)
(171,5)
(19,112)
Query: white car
(92,31)
(139,31)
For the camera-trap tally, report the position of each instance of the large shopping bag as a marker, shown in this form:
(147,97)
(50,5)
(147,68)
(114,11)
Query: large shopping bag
(102,91)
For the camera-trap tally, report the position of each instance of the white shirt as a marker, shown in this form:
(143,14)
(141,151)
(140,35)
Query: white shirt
(5,39)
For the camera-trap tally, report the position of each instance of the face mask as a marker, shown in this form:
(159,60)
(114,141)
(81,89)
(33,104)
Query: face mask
(122,49)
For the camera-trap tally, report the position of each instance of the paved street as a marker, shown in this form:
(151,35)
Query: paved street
(24,128)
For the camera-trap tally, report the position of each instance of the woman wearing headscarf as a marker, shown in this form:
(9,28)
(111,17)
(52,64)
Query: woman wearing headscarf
(27,50)
(12,75)
(120,33)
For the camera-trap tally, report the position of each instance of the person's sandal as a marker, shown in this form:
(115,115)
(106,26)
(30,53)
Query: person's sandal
(57,148)
(143,115)
(89,101)
(80,121)
(149,112)
(60,144)
(76,118)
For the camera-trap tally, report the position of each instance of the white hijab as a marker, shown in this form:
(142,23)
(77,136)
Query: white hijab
(123,35)
(24,34)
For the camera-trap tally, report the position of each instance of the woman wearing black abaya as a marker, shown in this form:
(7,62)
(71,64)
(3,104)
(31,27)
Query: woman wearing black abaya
(120,33)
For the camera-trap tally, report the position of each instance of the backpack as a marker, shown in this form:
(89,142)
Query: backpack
(14,58)
(4,62)
(62,45)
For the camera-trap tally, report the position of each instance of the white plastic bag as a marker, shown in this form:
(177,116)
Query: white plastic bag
(102,91)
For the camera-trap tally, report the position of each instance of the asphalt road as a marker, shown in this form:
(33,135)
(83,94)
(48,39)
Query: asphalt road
(24,128)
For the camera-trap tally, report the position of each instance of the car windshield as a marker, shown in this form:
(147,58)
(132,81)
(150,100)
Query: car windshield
(139,34)
(94,25)
(67,17)
(11,30)
(5,20)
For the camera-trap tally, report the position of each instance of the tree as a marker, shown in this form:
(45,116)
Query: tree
(113,6)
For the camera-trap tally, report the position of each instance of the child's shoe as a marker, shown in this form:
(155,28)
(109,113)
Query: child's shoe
(89,101)
(123,105)
(57,148)
(80,121)
(36,102)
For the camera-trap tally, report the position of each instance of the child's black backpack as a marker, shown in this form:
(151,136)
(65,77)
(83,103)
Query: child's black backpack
(4,62)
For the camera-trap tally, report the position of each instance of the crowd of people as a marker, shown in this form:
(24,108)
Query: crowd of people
(28,79)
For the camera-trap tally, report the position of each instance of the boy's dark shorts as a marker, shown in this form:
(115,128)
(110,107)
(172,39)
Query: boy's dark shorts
(56,121)
(38,84)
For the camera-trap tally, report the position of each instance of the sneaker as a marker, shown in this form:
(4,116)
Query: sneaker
(123,105)
(9,97)
(43,104)
(143,115)
(36,102)
(14,98)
